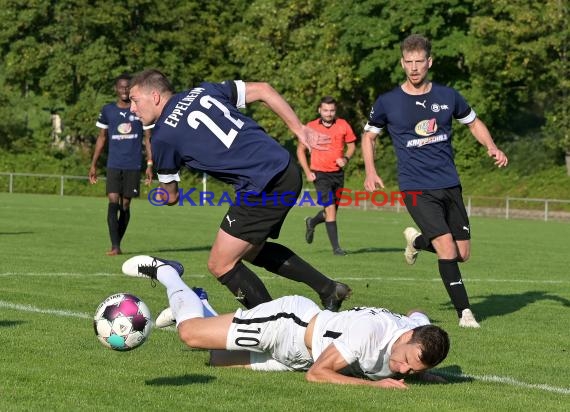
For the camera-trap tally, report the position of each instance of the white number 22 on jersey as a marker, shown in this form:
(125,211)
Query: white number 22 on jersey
(197,117)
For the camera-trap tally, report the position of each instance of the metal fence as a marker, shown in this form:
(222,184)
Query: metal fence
(499,207)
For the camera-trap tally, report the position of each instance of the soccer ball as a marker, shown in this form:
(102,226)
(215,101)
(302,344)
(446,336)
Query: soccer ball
(122,322)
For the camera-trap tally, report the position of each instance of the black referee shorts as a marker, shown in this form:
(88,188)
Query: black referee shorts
(327,184)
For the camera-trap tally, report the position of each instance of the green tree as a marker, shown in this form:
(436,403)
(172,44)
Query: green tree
(517,58)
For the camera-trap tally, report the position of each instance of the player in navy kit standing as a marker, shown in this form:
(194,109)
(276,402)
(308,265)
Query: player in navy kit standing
(418,116)
(204,130)
(124,133)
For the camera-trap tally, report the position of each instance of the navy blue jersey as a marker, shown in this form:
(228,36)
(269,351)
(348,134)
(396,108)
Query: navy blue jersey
(420,128)
(124,135)
(203,129)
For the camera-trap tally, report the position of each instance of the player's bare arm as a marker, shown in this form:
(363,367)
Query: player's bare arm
(99,146)
(350,149)
(481,133)
(303,161)
(260,91)
(326,367)
(372,180)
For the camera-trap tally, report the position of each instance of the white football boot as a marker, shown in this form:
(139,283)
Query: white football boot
(411,253)
(468,319)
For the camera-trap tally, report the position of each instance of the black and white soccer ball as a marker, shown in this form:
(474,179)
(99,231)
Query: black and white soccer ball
(122,322)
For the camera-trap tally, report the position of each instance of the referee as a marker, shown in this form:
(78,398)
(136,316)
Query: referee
(326,169)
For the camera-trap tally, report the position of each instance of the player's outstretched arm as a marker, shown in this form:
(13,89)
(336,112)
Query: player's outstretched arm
(326,367)
(481,133)
(260,91)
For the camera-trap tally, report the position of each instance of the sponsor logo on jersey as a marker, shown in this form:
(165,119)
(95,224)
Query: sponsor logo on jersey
(124,128)
(426,127)
(423,104)
(426,140)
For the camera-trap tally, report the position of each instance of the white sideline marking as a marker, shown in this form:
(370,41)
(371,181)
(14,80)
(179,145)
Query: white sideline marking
(484,378)
(64,274)
(30,308)
(468,279)
(508,381)
(354,278)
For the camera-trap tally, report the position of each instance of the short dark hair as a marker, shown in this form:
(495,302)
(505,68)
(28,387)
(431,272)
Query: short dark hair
(154,79)
(327,100)
(415,42)
(123,76)
(434,342)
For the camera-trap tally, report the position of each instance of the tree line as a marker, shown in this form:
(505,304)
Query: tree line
(507,57)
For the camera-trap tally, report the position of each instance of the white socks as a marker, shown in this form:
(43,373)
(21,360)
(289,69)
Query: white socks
(184,303)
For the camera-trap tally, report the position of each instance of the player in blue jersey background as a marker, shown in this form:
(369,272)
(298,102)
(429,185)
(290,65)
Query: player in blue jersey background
(418,117)
(123,133)
(204,130)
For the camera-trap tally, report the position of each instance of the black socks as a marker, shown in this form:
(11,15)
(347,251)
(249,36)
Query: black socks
(284,262)
(124,217)
(317,219)
(333,234)
(113,223)
(422,243)
(245,285)
(451,276)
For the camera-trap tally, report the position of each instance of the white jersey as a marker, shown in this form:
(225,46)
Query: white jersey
(364,337)
(274,333)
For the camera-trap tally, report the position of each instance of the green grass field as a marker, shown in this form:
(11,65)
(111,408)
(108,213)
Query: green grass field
(54,273)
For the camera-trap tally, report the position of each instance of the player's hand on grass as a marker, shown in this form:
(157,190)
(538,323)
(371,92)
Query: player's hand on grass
(392,383)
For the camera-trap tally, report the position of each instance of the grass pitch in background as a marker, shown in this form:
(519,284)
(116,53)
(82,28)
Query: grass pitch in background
(54,273)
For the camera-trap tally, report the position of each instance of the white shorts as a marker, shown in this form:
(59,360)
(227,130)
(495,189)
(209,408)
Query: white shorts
(274,333)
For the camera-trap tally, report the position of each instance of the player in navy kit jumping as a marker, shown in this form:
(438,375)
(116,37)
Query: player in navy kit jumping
(418,116)
(124,133)
(204,130)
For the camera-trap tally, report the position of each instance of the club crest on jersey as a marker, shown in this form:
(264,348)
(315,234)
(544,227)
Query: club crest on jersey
(426,127)
(437,107)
